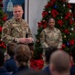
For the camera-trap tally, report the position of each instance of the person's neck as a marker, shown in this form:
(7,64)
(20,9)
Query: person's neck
(18,20)
(52,28)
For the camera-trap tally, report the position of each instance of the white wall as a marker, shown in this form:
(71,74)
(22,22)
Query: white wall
(35,10)
(71,1)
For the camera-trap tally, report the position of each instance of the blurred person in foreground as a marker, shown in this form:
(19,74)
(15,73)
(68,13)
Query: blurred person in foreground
(72,70)
(10,63)
(22,57)
(60,63)
(3,71)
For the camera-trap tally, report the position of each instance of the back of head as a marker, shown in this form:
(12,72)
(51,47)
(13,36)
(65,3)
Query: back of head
(60,61)
(73,53)
(11,49)
(48,52)
(22,53)
(1,57)
(30,72)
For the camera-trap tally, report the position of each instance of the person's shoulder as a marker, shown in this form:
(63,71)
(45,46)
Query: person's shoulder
(8,21)
(56,29)
(46,29)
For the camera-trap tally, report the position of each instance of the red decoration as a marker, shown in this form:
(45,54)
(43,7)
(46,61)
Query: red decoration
(4,18)
(54,13)
(36,64)
(0,29)
(69,5)
(49,4)
(60,22)
(39,24)
(71,21)
(2,44)
(63,46)
(44,13)
(68,14)
(72,42)
(66,31)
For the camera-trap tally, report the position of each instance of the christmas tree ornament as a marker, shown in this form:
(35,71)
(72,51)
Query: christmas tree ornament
(43,20)
(70,10)
(72,18)
(72,29)
(64,36)
(49,11)
(63,5)
(61,17)
(67,43)
(55,6)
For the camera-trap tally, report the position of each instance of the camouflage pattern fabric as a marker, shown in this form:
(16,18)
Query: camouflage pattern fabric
(15,29)
(50,37)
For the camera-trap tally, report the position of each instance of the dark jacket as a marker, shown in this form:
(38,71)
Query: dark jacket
(72,70)
(3,72)
(10,65)
(46,70)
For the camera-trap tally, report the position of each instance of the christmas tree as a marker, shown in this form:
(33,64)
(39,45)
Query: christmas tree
(2,20)
(61,11)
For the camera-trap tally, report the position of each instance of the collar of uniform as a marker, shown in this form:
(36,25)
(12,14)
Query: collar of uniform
(52,29)
(18,21)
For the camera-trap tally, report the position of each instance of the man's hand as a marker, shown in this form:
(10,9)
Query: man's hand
(26,40)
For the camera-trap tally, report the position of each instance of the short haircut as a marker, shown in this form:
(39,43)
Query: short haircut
(22,53)
(73,52)
(50,19)
(1,58)
(61,61)
(18,6)
(48,52)
(11,48)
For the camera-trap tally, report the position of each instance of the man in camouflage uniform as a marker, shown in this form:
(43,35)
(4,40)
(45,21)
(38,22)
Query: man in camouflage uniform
(15,29)
(51,36)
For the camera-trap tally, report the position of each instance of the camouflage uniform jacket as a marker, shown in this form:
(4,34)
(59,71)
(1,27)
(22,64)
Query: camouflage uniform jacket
(50,37)
(15,29)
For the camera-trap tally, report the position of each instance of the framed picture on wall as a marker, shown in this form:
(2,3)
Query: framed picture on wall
(8,6)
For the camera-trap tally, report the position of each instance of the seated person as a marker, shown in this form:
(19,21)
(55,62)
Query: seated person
(2,69)
(10,64)
(22,56)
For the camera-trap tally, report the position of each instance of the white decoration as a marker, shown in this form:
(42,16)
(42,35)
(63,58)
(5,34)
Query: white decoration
(72,29)
(64,5)
(70,10)
(49,11)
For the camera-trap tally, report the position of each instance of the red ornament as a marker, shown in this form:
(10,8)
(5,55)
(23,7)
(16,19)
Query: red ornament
(69,5)
(54,13)
(71,21)
(49,4)
(44,13)
(60,22)
(63,46)
(66,31)
(4,18)
(36,64)
(0,29)
(72,42)
(39,24)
